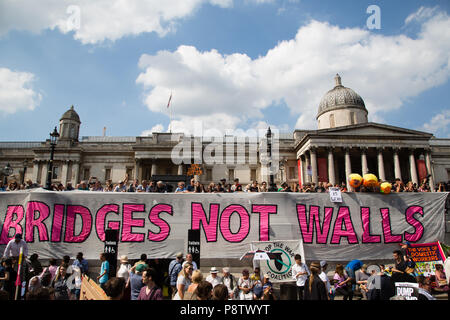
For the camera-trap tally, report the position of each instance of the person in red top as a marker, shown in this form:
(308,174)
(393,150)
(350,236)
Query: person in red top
(150,291)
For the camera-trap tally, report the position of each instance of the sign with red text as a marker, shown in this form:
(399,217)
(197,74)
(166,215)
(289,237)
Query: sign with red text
(426,256)
(363,225)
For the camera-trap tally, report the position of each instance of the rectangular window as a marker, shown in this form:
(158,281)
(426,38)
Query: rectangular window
(252,174)
(86,174)
(209,176)
(107,174)
(291,173)
(352,118)
(230,175)
(55,172)
(332,121)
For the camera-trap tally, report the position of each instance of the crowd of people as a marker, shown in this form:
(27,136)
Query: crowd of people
(195,186)
(147,279)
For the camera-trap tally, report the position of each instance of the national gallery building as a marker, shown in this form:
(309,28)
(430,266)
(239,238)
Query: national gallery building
(345,142)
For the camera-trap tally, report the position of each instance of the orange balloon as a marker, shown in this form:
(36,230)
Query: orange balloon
(386,187)
(370,180)
(355,180)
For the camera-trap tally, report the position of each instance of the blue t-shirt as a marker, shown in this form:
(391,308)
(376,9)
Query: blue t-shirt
(103,268)
(135,285)
(354,265)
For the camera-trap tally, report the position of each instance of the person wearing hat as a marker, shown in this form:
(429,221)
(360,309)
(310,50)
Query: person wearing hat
(213,278)
(13,247)
(124,269)
(324,277)
(135,280)
(175,267)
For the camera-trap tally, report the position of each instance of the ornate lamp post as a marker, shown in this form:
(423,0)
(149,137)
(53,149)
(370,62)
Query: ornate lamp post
(272,186)
(53,141)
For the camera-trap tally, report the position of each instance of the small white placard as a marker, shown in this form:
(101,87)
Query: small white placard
(335,194)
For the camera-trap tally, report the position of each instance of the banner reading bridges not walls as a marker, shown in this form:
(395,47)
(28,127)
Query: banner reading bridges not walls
(364,225)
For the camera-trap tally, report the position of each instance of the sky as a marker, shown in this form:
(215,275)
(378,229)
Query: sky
(228,64)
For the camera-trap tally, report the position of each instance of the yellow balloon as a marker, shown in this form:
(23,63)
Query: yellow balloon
(370,180)
(386,187)
(355,180)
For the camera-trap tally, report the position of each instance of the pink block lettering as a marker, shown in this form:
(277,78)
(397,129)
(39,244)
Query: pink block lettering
(348,232)
(244,228)
(86,225)
(129,222)
(367,237)
(264,214)
(307,229)
(58,217)
(199,217)
(387,231)
(157,221)
(31,222)
(10,222)
(101,218)
(417,235)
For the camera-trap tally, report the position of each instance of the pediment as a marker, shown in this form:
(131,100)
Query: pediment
(373,129)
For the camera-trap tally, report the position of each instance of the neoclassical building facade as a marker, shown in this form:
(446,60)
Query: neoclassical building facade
(345,142)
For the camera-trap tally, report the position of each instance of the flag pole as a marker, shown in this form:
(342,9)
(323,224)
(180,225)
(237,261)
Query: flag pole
(18,282)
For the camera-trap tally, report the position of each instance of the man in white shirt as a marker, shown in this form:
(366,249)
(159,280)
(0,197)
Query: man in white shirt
(189,259)
(229,281)
(323,276)
(13,247)
(300,274)
(213,278)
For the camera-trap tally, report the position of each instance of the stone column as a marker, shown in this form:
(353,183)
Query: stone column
(307,165)
(154,168)
(75,173)
(397,170)
(412,167)
(331,171)
(348,164)
(302,170)
(64,171)
(364,167)
(180,169)
(35,171)
(137,168)
(381,175)
(429,169)
(314,166)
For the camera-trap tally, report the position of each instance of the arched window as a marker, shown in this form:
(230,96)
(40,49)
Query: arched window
(332,124)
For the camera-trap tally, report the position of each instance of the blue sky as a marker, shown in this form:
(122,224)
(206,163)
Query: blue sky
(231,64)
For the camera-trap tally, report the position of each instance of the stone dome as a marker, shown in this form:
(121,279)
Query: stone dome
(71,114)
(340,97)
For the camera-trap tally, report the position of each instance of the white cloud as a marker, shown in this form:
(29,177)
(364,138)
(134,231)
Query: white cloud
(97,21)
(157,128)
(385,70)
(439,124)
(16,91)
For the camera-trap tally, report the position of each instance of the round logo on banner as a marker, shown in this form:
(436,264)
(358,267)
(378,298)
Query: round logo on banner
(281,264)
